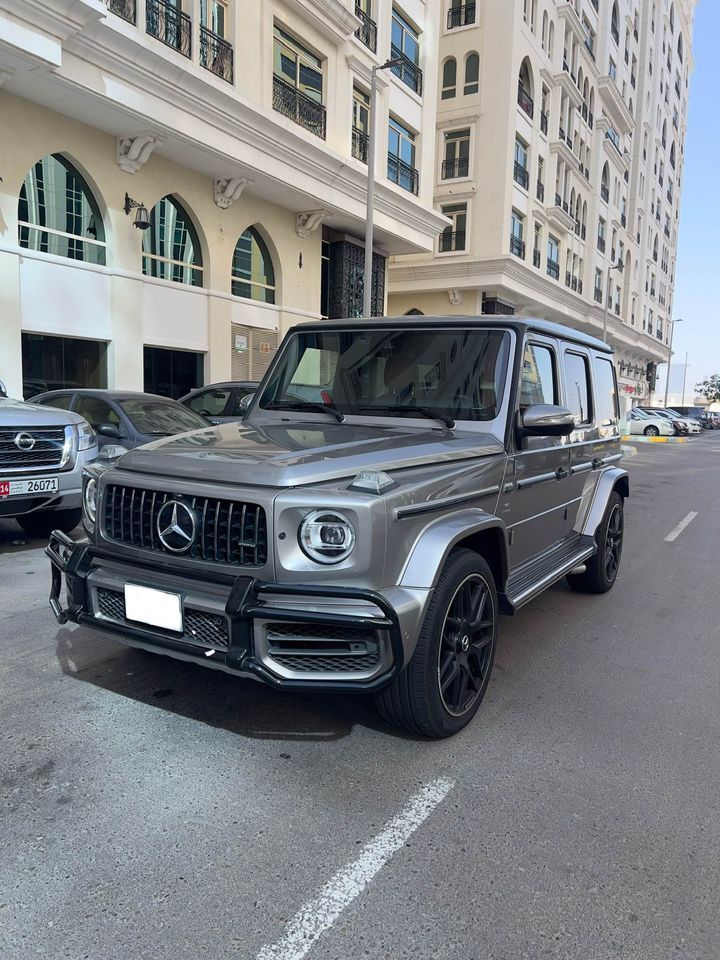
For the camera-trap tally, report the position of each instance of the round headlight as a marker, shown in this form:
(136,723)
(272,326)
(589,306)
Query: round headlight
(90,499)
(326,536)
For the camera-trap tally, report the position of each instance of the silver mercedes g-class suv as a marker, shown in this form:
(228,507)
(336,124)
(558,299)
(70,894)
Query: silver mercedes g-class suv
(395,485)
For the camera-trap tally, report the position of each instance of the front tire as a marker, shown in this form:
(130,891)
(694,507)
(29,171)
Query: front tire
(43,524)
(602,569)
(440,690)
(651,431)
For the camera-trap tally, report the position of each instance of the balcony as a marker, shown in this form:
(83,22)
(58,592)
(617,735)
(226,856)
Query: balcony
(553,269)
(461,15)
(517,247)
(125,9)
(216,54)
(540,191)
(367,31)
(525,101)
(292,103)
(406,71)
(452,169)
(170,25)
(359,145)
(536,258)
(451,242)
(520,175)
(403,174)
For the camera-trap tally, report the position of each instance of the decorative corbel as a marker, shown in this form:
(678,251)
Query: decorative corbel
(227,191)
(455,297)
(306,223)
(133,152)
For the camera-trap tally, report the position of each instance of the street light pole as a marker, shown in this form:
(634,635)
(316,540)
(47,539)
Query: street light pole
(370,204)
(684,379)
(667,378)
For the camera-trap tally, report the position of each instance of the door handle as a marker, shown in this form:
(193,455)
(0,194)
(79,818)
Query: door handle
(561,473)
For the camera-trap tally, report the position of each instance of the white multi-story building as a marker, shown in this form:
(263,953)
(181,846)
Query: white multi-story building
(240,130)
(559,158)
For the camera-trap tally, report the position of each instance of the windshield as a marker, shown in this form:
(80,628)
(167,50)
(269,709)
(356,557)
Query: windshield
(161,418)
(448,373)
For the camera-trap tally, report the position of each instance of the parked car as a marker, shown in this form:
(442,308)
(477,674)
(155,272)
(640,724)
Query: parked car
(220,402)
(641,422)
(683,425)
(457,468)
(42,455)
(125,419)
(694,425)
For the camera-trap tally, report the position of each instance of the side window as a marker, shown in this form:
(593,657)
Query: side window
(96,411)
(539,380)
(605,393)
(235,409)
(210,402)
(63,401)
(577,388)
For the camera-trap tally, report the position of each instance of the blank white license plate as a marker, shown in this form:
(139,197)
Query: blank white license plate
(156,607)
(20,488)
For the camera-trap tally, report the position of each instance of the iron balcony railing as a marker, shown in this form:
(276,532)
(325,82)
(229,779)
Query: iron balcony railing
(517,247)
(604,193)
(126,9)
(460,15)
(525,101)
(406,71)
(403,174)
(452,169)
(597,295)
(293,103)
(367,31)
(216,54)
(360,145)
(553,269)
(165,22)
(544,117)
(540,191)
(615,33)
(536,258)
(580,286)
(623,220)
(521,175)
(567,278)
(451,241)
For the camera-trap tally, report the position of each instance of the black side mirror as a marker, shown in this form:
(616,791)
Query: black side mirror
(246,401)
(109,430)
(546,420)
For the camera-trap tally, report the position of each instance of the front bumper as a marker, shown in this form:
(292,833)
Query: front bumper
(244,616)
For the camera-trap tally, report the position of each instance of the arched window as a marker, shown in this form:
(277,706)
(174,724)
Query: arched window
(680,47)
(449,79)
(472,74)
(525,88)
(672,18)
(672,155)
(171,246)
(253,274)
(663,138)
(414,313)
(58,214)
(615,24)
(551,40)
(544,34)
(605,182)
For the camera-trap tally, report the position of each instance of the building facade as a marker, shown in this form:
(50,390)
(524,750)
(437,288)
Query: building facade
(182,180)
(559,159)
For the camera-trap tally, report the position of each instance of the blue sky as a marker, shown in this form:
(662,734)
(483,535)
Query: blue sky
(697,298)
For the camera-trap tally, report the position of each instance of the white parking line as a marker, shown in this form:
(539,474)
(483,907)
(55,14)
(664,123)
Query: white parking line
(674,534)
(320,914)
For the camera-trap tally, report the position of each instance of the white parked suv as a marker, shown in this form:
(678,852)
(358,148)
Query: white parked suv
(642,423)
(43,451)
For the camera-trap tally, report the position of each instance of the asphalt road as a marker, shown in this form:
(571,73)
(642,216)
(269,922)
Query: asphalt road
(153,809)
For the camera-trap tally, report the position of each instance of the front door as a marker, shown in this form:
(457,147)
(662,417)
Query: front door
(533,501)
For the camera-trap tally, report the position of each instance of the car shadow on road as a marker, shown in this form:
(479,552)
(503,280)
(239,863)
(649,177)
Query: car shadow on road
(240,706)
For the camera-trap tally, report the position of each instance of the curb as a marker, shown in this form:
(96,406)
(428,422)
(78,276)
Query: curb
(642,439)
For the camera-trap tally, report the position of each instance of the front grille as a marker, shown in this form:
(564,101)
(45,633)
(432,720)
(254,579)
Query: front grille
(47,450)
(202,628)
(226,531)
(317,648)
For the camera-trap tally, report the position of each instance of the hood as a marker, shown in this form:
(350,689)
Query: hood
(18,413)
(286,455)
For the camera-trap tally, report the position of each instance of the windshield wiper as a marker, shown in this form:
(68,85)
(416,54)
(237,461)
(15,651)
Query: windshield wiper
(301,405)
(423,411)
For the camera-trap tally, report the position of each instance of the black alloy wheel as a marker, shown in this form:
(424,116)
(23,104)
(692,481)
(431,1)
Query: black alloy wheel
(465,651)
(601,570)
(613,542)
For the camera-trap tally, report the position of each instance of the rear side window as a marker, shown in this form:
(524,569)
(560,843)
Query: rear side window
(605,393)
(209,402)
(539,382)
(63,401)
(577,388)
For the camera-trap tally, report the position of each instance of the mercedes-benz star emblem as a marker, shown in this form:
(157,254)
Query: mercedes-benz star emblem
(176,524)
(24,441)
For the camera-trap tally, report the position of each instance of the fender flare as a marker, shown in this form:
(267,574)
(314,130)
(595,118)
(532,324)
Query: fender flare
(595,499)
(434,543)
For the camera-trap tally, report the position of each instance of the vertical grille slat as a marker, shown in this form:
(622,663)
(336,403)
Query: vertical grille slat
(227,531)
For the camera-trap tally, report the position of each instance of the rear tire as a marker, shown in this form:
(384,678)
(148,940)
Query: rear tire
(602,569)
(651,431)
(43,524)
(439,691)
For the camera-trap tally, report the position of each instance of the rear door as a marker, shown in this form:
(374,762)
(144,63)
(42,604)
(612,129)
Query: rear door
(533,503)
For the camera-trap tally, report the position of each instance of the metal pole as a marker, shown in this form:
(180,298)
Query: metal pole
(667,378)
(367,278)
(605,315)
(684,379)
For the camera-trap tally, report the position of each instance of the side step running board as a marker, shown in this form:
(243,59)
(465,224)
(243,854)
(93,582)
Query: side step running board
(546,570)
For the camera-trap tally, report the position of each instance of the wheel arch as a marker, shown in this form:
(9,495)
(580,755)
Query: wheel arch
(595,500)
